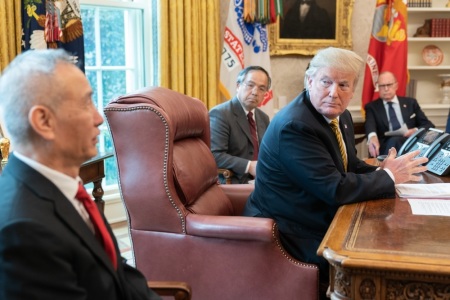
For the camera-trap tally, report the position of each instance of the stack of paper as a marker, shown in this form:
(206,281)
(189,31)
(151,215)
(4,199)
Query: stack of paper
(426,199)
(432,190)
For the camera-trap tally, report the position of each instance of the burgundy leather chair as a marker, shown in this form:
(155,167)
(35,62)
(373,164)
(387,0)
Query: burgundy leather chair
(184,225)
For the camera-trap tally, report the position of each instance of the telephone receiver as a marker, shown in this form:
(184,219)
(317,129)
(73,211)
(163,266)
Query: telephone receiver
(410,142)
(432,143)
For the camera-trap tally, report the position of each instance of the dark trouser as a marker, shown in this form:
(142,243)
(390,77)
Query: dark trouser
(305,249)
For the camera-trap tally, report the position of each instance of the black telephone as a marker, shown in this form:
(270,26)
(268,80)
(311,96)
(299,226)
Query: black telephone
(439,155)
(421,140)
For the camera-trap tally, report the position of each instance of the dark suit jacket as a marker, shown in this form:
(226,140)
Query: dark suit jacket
(300,179)
(377,119)
(231,140)
(46,249)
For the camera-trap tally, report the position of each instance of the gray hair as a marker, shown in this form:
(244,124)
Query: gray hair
(27,81)
(340,59)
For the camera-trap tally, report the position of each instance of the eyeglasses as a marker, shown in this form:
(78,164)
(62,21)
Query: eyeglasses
(386,86)
(249,86)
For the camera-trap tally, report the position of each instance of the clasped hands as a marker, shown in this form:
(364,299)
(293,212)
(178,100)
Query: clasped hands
(406,167)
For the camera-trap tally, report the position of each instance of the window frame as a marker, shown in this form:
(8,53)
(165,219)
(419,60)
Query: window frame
(146,65)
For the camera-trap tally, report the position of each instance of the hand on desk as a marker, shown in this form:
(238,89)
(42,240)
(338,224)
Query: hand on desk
(405,167)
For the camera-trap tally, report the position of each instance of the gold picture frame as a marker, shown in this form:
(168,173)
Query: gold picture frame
(342,38)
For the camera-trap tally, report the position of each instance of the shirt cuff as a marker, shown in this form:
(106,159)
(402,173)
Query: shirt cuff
(370,136)
(248,166)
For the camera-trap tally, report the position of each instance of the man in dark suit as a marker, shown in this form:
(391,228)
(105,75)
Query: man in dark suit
(378,119)
(307,168)
(51,247)
(232,143)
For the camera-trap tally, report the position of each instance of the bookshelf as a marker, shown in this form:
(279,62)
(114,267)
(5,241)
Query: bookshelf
(424,76)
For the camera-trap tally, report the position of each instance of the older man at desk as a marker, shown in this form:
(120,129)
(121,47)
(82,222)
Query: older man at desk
(308,166)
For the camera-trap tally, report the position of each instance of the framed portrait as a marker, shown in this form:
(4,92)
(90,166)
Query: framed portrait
(308,25)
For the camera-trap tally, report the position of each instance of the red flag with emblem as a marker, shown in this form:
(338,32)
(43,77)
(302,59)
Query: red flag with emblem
(388,48)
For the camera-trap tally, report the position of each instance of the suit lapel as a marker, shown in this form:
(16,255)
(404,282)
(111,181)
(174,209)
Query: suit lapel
(336,153)
(259,124)
(241,118)
(382,113)
(47,191)
(404,109)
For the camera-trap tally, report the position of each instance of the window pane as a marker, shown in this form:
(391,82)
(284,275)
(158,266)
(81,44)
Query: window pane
(112,37)
(114,85)
(88,17)
(92,77)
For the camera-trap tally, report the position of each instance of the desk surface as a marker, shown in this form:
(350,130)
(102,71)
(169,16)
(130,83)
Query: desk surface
(383,237)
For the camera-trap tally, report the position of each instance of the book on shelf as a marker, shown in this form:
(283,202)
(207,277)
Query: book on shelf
(440,27)
(419,3)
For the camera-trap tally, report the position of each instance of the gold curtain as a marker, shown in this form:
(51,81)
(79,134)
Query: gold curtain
(10,31)
(190,48)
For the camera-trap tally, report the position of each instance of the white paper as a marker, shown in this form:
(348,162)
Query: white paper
(401,131)
(423,191)
(430,207)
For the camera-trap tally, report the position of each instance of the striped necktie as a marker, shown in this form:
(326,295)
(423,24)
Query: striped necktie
(334,124)
(252,125)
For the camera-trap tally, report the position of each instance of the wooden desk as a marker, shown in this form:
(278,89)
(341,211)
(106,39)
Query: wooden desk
(379,250)
(93,171)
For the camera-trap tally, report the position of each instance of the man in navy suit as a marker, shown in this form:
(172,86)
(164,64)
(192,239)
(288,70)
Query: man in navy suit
(378,119)
(231,138)
(307,169)
(49,245)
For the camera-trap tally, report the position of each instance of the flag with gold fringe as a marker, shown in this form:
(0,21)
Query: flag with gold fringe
(246,43)
(53,24)
(388,48)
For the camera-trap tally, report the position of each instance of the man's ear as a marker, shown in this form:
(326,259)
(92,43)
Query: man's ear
(42,120)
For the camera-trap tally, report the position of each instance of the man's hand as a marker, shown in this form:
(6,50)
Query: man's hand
(252,168)
(405,167)
(374,146)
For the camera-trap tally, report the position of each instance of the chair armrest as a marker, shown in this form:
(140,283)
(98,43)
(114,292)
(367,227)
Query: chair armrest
(231,227)
(238,195)
(227,174)
(178,289)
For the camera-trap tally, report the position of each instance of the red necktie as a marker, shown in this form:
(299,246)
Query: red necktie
(99,225)
(252,124)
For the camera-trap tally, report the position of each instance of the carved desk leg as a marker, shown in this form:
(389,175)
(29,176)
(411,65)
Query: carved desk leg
(98,192)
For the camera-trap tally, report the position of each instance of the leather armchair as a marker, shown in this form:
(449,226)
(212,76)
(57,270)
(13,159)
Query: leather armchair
(184,225)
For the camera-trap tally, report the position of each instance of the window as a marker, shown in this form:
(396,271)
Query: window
(117,58)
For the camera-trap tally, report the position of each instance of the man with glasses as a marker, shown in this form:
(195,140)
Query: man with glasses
(238,125)
(389,113)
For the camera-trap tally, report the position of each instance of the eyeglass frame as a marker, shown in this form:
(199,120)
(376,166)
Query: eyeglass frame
(387,85)
(251,86)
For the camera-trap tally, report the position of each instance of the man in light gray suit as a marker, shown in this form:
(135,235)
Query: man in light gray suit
(233,142)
